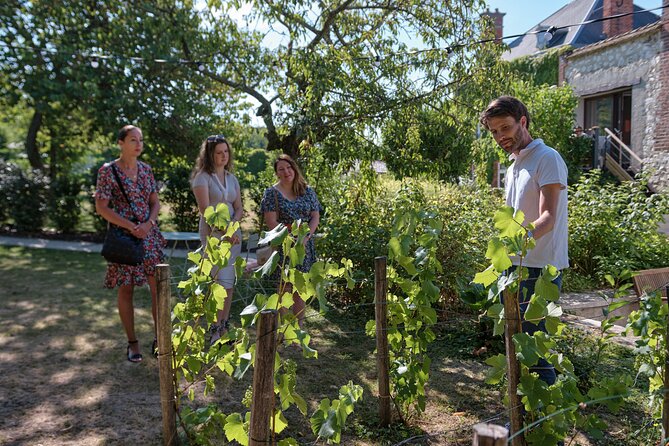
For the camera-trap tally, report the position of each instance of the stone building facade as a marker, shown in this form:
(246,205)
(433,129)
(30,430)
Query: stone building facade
(623,83)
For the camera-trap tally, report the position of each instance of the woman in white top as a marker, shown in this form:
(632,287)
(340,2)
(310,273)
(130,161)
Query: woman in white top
(213,183)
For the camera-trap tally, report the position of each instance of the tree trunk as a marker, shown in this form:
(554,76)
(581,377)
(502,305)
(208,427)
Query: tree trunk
(31,142)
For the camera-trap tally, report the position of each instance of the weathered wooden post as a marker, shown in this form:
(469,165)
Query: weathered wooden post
(165,371)
(486,434)
(665,399)
(382,358)
(512,326)
(263,379)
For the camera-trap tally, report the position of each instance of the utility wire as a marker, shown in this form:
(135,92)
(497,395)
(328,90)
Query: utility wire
(96,56)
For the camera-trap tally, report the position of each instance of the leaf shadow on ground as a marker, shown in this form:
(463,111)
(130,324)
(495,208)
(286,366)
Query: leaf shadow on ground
(64,377)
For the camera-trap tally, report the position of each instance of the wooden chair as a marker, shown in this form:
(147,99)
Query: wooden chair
(651,280)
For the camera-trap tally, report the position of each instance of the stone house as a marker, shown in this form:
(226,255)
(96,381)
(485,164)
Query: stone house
(619,69)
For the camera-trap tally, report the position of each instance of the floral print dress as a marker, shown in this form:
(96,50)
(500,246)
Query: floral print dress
(289,211)
(138,192)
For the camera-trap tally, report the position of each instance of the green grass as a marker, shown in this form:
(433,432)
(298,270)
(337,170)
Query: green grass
(63,372)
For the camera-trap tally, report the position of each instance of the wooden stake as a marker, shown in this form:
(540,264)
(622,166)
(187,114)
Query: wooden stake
(513,326)
(486,434)
(262,404)
(165,371)
(382,358)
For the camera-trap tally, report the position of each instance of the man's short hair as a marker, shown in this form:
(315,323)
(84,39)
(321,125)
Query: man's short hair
(505,106)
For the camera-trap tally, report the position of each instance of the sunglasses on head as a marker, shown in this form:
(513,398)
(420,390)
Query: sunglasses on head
(216,138)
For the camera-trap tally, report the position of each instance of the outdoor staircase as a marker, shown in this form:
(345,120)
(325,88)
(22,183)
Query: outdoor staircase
(619,158)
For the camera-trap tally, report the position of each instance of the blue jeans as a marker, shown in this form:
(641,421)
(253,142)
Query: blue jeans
(543,368)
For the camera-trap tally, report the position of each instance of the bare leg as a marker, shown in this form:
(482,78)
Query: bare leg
(126,311)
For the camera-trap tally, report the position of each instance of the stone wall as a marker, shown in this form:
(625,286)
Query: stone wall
(636,62)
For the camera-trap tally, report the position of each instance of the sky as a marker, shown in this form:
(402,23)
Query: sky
(521,15)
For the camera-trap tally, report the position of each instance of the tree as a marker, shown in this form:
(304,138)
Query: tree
(435,143)
(336,69)
(100,63)
(327,73)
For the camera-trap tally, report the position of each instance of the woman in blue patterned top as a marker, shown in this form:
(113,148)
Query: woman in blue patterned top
(296,201)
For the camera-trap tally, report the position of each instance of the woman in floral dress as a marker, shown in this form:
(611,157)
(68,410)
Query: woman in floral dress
(296,201)
(139,217)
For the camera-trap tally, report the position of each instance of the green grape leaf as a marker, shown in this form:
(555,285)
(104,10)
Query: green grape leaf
(497,253)
(545,287)
(535,392)
(496,313)
(498,370)
(486,277)
(275,237)
(240,265)
(268,267)
(243,366)
(527,350)
(507,221)
(218,217)
(280,422)
(219,294)
(236,429)
(323,421)
(536,309)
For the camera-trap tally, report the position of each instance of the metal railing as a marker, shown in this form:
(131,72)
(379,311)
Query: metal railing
(622,154)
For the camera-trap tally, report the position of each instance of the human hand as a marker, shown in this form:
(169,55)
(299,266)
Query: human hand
(141,230)
(234,239)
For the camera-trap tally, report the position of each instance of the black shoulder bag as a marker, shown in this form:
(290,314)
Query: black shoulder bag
(120,246)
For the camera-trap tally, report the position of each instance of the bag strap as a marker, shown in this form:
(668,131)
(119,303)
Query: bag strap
(120,185)
(276,203)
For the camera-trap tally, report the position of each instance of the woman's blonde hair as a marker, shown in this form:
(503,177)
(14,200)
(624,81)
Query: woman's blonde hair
(299,183)
(205,159)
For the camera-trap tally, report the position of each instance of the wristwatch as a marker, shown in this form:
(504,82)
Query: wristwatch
(529,234)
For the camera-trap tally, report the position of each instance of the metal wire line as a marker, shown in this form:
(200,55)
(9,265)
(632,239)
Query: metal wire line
(448,49)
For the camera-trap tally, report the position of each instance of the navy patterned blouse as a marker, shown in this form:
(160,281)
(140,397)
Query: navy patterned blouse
(289,211)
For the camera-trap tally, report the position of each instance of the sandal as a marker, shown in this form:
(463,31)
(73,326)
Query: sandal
(154,347)
(133,357)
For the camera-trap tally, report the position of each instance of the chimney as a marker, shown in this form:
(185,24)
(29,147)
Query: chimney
(621,25)
(497,19)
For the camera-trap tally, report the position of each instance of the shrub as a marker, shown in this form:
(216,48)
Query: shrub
(357,227)
(27,193)
(577,154)
(9,174)
(359,218)
(614,227)
(178,195)
(256,188)
(256,163)
(467,212)
(65,202)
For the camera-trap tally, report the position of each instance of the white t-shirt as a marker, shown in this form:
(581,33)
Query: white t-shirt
(535,166)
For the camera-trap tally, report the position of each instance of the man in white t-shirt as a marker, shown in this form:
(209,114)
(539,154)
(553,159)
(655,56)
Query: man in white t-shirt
(536,183)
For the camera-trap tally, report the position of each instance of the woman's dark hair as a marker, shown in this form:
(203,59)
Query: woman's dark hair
(505,106)
(205,159)
(125,130)
(299,183)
